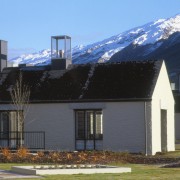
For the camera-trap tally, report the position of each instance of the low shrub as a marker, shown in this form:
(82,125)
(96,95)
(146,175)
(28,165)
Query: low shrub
(6,154)
(82,157)
(22,152)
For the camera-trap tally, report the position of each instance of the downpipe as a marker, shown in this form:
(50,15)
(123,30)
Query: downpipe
(145,124)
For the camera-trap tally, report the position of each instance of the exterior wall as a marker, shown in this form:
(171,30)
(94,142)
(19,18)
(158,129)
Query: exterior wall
(177,126)
(148,127)
(162,99)
(4,107)
(123,124)
(124,127)
(57,120)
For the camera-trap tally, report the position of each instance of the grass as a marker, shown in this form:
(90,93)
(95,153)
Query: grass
(172,154)
(139,172)
(178,146)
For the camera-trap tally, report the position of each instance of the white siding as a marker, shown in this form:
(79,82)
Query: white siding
(57,120)
(123,125)
(124,128)
(162,99)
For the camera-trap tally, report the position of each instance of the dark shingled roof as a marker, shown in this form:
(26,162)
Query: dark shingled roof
(90,82)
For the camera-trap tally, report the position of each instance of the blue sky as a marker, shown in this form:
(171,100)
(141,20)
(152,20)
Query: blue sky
(27,25)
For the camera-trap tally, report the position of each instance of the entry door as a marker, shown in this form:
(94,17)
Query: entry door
(163,130)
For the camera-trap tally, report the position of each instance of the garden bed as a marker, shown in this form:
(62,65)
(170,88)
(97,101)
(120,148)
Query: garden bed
(22,155)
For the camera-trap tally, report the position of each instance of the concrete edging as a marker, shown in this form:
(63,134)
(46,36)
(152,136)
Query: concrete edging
(31,171)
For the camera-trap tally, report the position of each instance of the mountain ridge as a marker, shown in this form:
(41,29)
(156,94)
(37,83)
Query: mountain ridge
(151,35)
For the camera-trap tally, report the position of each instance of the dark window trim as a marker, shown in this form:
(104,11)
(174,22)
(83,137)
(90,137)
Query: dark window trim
(17,122)
(85,139)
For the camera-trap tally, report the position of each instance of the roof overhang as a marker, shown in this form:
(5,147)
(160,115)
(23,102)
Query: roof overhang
(83,100)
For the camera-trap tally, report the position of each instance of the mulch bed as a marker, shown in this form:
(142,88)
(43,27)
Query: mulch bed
(139,159)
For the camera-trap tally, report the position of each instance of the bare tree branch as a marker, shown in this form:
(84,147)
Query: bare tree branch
(20,95)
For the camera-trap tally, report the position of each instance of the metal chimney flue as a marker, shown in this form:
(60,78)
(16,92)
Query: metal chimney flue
(3,54)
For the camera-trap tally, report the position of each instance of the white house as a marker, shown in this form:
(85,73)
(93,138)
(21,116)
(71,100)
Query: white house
(127,106)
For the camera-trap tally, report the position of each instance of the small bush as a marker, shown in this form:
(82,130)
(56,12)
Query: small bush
(40,154)
(6,153)
(54,157)
(22,152)
(84,157)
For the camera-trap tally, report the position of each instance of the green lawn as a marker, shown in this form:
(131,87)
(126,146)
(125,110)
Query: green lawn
(138,172)
(172,154)
(178,146)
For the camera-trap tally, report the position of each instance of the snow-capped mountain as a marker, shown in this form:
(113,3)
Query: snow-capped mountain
(168,50)
(39,58)
(152,34)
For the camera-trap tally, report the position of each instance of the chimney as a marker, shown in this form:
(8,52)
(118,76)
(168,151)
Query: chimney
(60,52)
(3,54)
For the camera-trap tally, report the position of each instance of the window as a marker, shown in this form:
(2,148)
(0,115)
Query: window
(9,124)
(10,128)
(4,124)
(80,124)
(89,129)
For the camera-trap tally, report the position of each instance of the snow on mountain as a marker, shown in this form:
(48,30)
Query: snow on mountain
(42,57)
(102,51)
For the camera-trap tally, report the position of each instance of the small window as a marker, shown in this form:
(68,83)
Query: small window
(9,124)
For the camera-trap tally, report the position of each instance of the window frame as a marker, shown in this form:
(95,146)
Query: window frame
(17,123)
(87,136)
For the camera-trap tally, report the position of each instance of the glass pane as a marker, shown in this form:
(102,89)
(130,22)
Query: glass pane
(99,144)
(80,125)
(13,124)
(68,48)
(90,125)
(4,124)
(90,144)
(99,125)
(54,50)
(80,145)
(61,53)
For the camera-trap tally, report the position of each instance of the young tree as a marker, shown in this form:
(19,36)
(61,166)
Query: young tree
(20,95)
